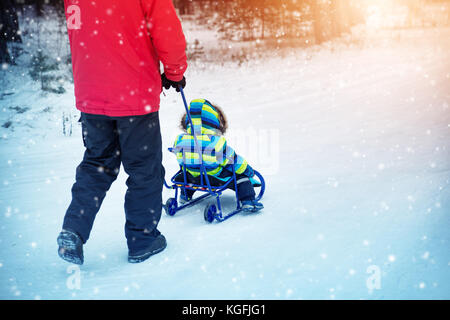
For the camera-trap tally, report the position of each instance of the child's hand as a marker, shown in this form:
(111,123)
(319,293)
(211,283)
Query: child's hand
(167,83)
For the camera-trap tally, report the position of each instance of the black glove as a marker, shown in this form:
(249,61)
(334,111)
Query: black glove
(166,83)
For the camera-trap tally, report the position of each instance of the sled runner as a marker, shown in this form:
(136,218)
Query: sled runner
(207,185)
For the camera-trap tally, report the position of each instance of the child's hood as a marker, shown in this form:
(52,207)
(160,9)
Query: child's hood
(205,118)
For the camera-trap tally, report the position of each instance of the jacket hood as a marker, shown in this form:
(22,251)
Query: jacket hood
(205,117)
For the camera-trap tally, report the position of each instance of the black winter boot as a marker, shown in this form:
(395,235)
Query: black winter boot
(70,247)
(158,245)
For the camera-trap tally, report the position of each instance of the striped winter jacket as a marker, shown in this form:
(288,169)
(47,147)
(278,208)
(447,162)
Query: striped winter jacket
(218,158)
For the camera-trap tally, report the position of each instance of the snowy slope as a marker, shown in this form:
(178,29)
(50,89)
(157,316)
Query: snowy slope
(357,170)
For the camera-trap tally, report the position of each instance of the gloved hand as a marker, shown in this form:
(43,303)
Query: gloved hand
(167,83)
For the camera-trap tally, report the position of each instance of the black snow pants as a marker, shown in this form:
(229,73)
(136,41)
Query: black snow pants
(134,141)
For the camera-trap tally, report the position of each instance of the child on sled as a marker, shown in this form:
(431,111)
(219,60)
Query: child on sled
(218,158)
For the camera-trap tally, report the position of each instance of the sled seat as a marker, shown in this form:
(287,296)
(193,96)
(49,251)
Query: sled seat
(193,183)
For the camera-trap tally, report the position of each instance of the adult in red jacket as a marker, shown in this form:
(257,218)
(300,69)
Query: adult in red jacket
(117,47)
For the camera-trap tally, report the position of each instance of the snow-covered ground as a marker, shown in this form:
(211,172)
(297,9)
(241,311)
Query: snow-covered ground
(354,143)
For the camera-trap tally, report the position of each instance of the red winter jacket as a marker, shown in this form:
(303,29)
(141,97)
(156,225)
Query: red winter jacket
(116,48)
